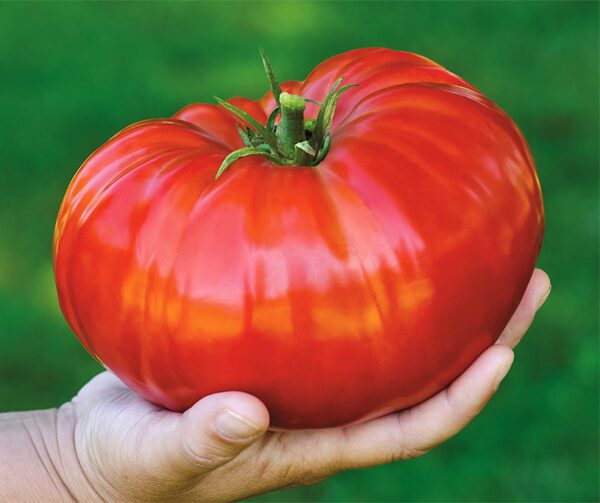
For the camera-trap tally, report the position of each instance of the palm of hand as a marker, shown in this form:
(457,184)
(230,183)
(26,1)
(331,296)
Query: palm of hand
(130,449)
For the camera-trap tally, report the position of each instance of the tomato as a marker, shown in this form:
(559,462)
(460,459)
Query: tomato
(336,291)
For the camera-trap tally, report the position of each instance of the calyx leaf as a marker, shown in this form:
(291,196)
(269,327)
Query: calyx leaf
(279,143)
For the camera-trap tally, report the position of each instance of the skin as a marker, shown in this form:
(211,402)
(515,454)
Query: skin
(110,444)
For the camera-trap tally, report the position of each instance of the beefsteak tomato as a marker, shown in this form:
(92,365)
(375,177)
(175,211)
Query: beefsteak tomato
(353,285)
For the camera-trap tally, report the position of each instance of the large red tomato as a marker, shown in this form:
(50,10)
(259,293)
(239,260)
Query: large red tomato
(333,292)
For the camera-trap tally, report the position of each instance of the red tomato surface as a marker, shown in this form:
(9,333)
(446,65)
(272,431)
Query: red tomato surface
(333,293)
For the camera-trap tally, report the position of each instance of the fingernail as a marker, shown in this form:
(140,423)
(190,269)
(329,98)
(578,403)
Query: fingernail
(544,297)
(230,424)
(502,372)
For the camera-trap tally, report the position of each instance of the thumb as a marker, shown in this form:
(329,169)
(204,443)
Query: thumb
(219,427)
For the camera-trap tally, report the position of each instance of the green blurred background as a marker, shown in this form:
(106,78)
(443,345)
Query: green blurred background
(73,74)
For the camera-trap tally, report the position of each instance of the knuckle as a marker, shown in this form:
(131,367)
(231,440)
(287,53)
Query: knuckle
(294,468)
(292,475)
(412,453)
(464,405)
(306,475)
(404,451)
(205,455)
(452,398)
(461,403)
(316,472)
(291,466)
(280,472)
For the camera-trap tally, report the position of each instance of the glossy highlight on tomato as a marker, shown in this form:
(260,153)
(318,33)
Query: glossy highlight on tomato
(334,293)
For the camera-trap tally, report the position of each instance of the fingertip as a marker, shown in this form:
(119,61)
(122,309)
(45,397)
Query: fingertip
(242,417)
(542,286)
(218,428)
(537,291)
(535,295)
(484,376)
(505,357)
(236,415)
(541,276)
(502,354)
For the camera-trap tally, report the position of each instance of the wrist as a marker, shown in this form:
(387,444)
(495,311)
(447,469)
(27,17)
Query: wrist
(39,459)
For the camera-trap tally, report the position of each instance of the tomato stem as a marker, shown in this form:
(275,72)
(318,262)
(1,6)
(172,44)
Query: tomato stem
(291,128)
(295,141)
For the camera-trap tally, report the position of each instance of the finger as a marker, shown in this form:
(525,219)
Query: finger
(412,432)
(211,433)
(534,297)
(444,415)
(105,384)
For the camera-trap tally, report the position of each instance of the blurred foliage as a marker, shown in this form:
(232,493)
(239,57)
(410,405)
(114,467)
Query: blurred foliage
(72,74)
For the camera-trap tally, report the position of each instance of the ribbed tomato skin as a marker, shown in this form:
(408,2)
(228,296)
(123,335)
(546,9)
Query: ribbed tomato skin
(333,293)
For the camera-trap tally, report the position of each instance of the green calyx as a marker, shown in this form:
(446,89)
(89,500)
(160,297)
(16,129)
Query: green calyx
(294,141)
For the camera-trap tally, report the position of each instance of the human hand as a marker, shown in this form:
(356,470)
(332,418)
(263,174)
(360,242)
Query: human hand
(128,449)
